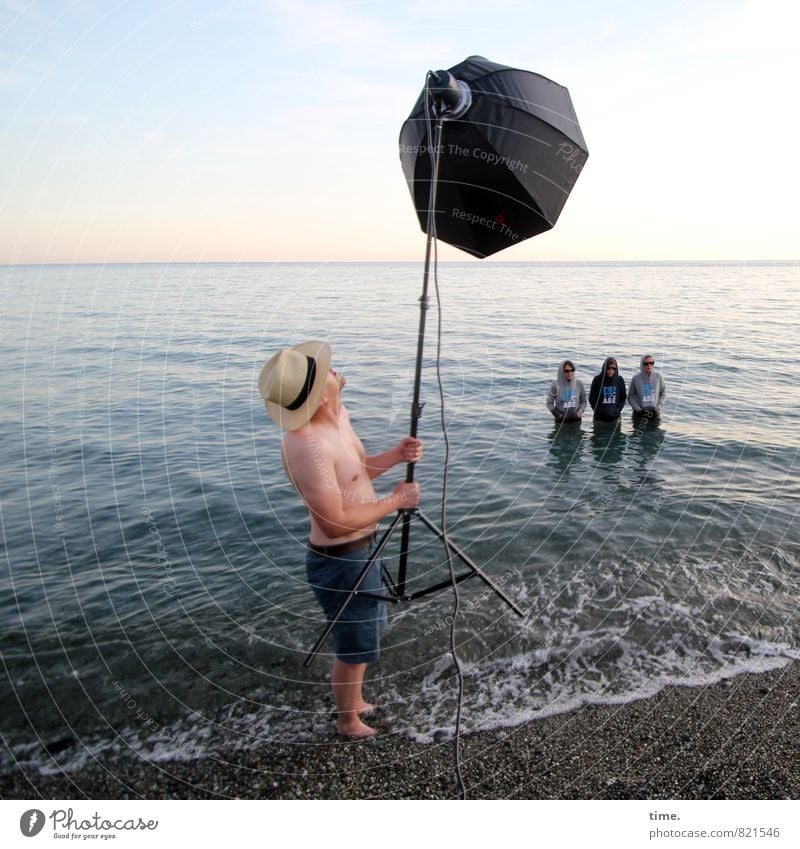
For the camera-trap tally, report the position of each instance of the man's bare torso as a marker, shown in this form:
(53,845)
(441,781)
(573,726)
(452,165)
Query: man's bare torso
(334,458)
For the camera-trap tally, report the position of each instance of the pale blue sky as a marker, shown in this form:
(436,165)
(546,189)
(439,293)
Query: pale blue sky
(248,130)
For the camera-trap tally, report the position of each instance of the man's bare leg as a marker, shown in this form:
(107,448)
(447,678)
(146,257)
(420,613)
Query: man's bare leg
(346,681)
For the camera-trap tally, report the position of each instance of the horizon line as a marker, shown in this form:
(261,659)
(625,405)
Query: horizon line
(405,262)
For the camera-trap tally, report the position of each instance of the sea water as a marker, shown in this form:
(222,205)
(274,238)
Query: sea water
(153,591)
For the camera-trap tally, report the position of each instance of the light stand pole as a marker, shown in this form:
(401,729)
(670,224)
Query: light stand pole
(449,100)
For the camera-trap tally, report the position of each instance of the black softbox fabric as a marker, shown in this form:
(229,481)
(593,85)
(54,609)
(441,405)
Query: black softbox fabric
(507,165)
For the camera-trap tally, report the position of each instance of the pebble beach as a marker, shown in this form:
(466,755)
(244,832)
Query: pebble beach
(736,739)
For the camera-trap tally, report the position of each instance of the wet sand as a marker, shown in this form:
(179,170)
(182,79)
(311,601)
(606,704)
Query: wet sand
(738,739)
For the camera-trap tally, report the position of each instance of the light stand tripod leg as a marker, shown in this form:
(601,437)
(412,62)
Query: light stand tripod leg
(476,570)
(354,590)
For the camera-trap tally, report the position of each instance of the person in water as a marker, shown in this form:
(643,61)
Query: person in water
(325,461)
(607,394)
(566,399)
(646,392)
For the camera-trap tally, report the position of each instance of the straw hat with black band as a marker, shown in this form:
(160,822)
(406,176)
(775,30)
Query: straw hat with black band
(292,383)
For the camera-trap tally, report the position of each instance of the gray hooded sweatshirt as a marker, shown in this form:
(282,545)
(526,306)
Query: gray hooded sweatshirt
(566,398)
(646,393)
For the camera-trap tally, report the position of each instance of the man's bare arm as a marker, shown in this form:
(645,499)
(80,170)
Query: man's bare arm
(311,468)
(408,450)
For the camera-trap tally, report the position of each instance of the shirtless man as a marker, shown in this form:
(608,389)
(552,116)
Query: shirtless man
(326,462)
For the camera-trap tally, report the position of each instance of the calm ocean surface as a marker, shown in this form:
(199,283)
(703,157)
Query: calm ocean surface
(153,592)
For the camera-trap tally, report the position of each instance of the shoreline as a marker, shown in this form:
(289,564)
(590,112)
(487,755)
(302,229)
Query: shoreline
(736,739)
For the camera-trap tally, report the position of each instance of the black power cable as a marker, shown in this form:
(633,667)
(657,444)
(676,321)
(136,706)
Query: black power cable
(434,154)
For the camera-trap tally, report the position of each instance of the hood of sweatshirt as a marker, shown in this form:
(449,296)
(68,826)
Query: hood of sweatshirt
(561,378)
(603,374)
(642,372)
(649,388)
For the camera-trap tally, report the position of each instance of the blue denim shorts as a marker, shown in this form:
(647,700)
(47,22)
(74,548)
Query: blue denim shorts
(357,634)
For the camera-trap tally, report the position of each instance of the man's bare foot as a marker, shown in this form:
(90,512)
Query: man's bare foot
(354,727)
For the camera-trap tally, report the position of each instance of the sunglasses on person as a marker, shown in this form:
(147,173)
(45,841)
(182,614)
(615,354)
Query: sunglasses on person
(649,362)
(568,369)
(611,368)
